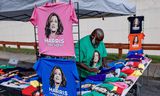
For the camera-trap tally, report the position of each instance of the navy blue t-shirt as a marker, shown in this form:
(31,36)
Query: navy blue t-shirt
(136,24)
(57,72)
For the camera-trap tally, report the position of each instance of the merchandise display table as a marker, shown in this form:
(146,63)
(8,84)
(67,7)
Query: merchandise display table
(125,91)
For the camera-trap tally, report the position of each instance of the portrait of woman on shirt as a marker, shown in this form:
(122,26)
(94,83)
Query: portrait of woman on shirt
(135,41)
(95,59)
(136,24)
(57,78)
(53,26)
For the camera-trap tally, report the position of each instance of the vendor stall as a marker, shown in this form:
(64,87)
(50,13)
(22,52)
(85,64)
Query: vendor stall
(21,11)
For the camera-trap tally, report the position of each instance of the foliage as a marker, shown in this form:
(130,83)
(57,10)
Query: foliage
(21,50)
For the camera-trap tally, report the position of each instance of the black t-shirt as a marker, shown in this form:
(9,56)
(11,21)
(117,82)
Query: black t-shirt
(136,24)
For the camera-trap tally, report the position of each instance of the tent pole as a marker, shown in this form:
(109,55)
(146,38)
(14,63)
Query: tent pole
(79,41)
(54,1)
(36,49)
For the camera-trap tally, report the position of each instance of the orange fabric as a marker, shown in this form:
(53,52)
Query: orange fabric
(135,41)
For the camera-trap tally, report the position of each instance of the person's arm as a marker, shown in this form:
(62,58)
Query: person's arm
(82,65)
(104,61)
(104,56)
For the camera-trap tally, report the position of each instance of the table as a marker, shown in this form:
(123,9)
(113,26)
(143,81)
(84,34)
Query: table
(125,91)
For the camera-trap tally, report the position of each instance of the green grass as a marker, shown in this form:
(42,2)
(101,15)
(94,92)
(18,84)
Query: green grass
(114,56)
(15,50)
(155,58)
(110,57)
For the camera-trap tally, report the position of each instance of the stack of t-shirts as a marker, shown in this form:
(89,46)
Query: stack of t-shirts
(27,75)
(15,83)
(6,66)
(8,75)
(112,84)
(133,52)
(33,90)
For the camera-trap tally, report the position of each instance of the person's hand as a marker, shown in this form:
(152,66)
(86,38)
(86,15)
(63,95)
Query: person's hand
(94,70)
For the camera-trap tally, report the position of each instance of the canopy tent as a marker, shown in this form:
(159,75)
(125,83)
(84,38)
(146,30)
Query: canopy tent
(21,10)
(18,10)
(103,8)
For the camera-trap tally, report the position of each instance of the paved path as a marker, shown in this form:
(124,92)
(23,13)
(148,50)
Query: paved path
(154,70)
(20,56)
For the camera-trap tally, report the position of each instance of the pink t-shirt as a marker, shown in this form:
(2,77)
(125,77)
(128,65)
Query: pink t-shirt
(54,22)
(120,84)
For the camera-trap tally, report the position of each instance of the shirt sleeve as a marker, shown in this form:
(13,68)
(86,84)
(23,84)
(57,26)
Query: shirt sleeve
(33,18)
(79,55)
(104,50)
(73,14)
(142,36)
(129,37)
(38,68)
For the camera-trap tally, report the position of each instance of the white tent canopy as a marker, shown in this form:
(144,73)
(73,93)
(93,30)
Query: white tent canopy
(21,10)
(18,10)
(103,8)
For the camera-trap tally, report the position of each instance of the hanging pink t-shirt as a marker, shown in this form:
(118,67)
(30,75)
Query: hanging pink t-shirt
(54,23)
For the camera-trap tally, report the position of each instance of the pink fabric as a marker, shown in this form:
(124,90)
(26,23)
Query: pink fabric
(146,60)
(131,78)
(60,45)
(120,84)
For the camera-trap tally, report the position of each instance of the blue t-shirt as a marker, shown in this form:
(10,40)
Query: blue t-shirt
(132,52)
(46,67)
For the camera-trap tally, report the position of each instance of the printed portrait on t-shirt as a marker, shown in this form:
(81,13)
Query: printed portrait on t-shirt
(95,59)
(54,30)
(87,85)
(135,42)
(54,26)
(136,24)
(101,90)
(57,78)
(15,83)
